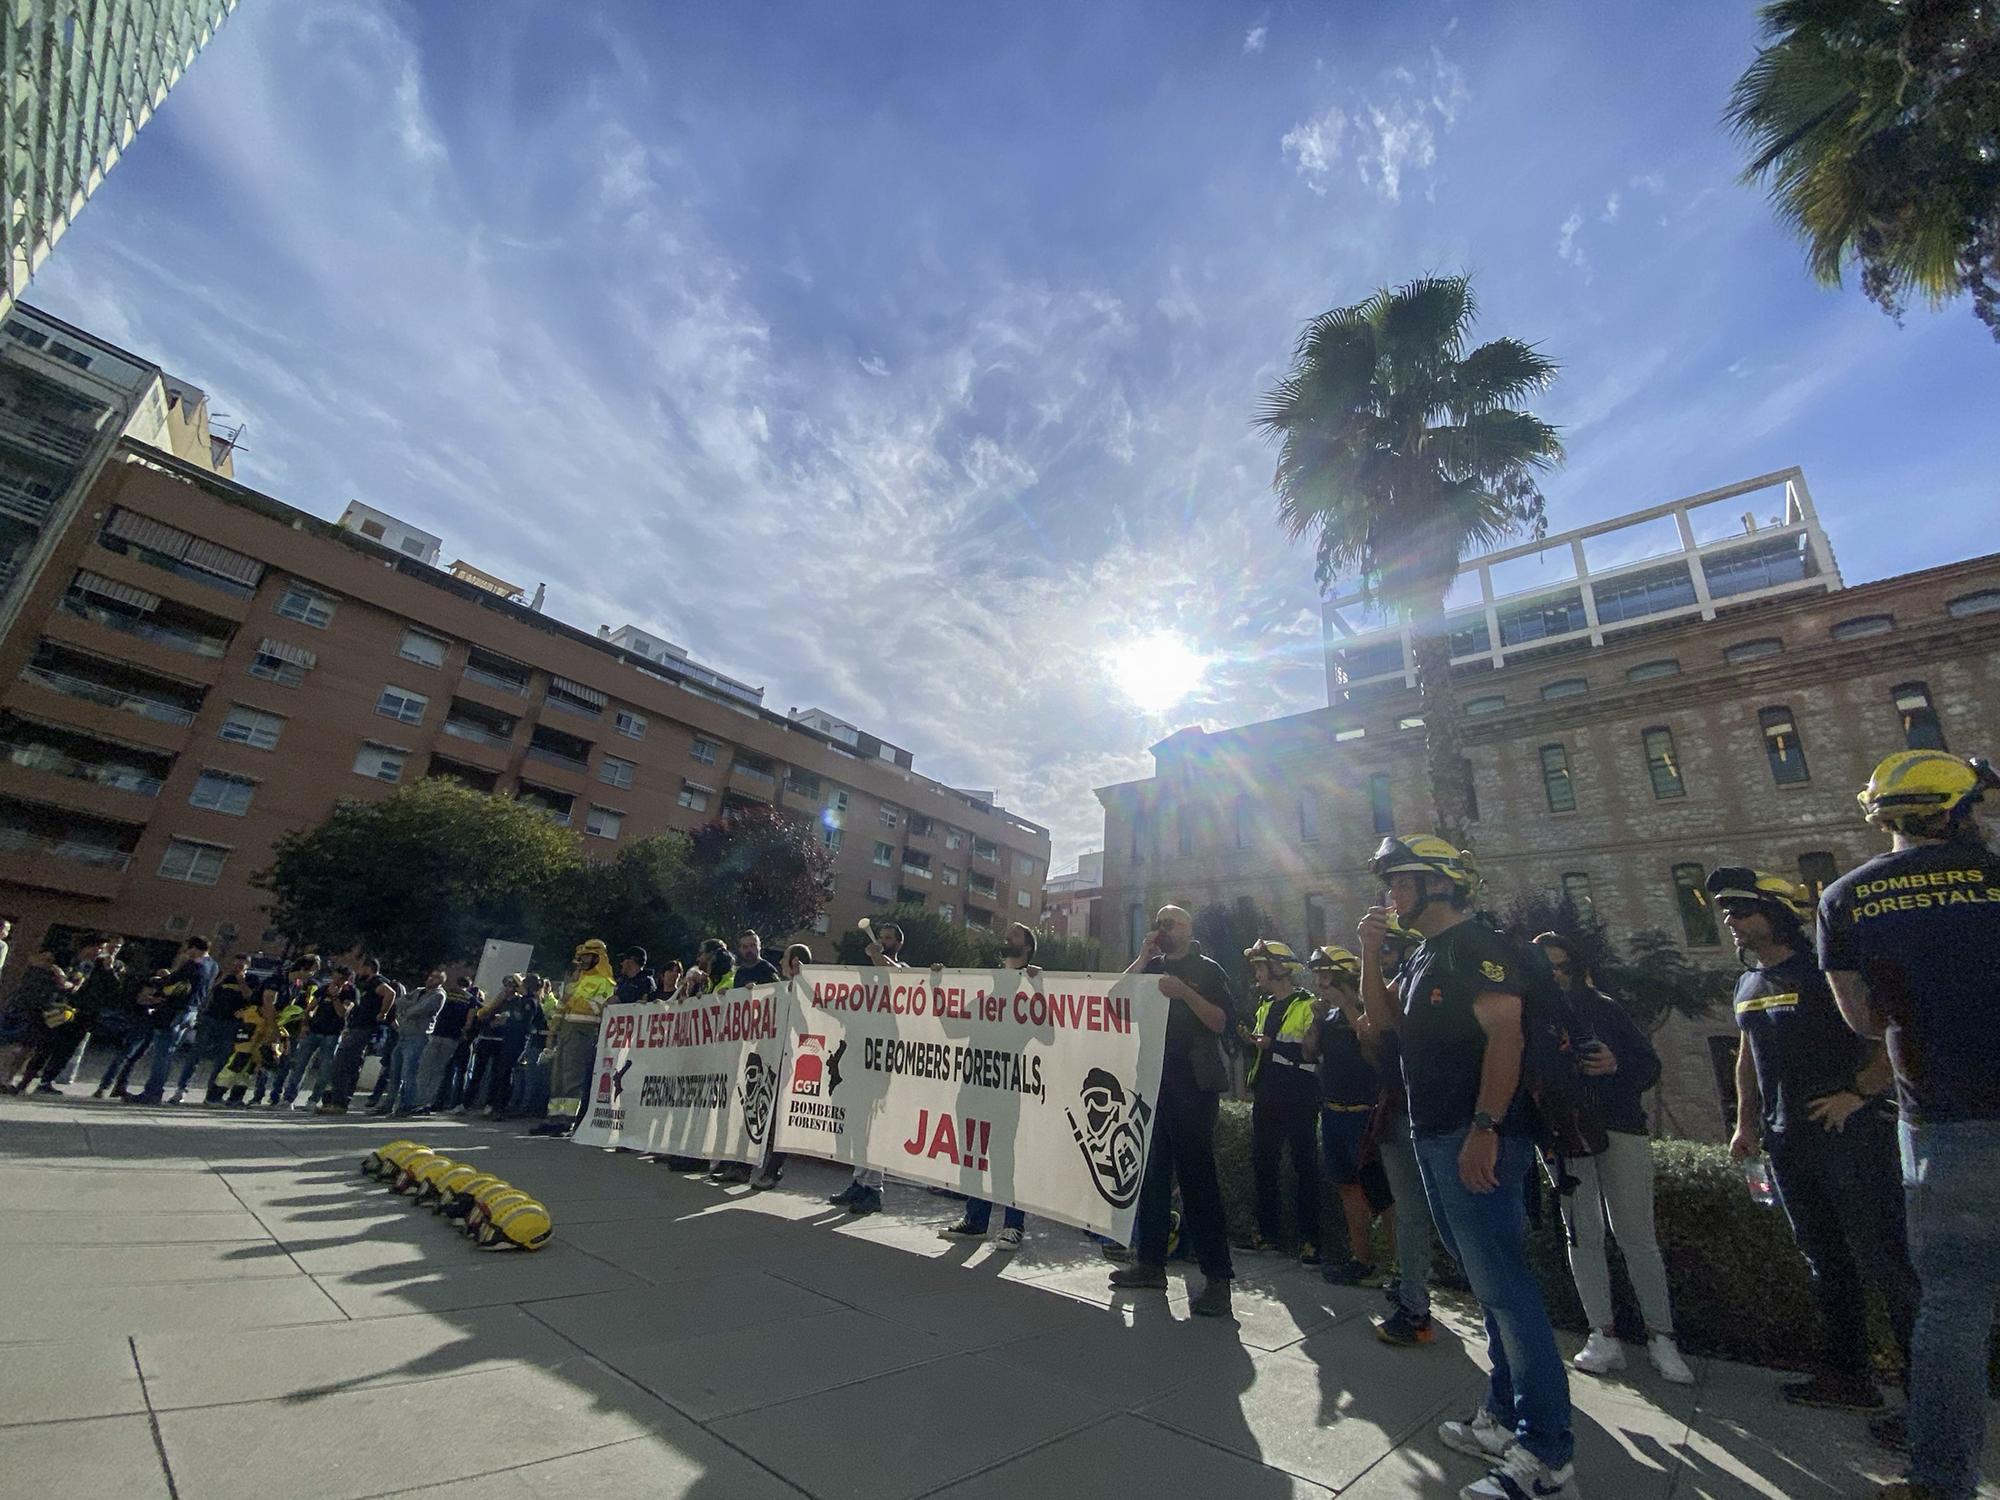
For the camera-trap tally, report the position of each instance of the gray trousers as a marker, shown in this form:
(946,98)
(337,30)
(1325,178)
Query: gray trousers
(569,1074)
(1617,1185)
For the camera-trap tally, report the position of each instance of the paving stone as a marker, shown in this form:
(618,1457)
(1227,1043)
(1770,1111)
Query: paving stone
(114,1189)
(27,1314)
(309,1362)
(84,1460)
(142,1265)
(459,1275)
(103,1227)
(1125,1455)
(684,1465)
(1132,1355)
(52,1382)
(907,1433)
(623,1320)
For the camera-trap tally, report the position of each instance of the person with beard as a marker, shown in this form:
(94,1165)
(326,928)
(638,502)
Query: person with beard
(1017,952)
(1618,1065)
(1192,1079)
(1911,946)
(1826,1127)
(863,1195)
(1459,1014)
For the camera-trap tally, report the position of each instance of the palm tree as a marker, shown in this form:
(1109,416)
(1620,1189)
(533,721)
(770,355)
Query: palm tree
(1401,454)
(1877,125)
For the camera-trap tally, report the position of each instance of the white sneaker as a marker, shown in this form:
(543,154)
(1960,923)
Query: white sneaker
(1010,1239)
(1482,1437)
(1520,1474)
(1667,1360)
(1602,1353)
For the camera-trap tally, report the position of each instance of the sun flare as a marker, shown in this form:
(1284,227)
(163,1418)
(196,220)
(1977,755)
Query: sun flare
(1157,670)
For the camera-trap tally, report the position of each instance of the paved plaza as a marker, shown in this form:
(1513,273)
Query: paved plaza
(207,1305)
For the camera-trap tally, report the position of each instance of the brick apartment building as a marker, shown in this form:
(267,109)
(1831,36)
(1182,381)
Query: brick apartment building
(197,668)
(1630,724)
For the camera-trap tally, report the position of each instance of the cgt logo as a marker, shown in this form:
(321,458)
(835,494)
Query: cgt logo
(759,1094)
(611,1082)
(1112,1136)
(813,1070)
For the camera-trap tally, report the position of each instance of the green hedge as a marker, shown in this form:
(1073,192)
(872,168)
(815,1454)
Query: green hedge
(1741,1289)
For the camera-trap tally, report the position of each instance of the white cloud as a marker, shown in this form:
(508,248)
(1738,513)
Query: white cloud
(1402,139)
(1611,204)
(1566,246)
(1253,40)
(1652,182)
(1314,146)
(875,365)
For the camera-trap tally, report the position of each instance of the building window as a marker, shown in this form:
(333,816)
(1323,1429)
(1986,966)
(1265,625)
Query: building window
(268,666)
(402,705)
(1743,651)
(1973,604)
(615,772)
(987,850)
(1647,671)
(1380,807)
(1350,733)
(1817,870)
(1566,687)
(885,854)
(1410,721)
(1243,818)
(373,530)
(603,823)
(629,724)
(1697,917)
(836,803)
(412,546)
(1922,729)
(1024,867)
(424,650)
(252,727)
(1556,781)
(819,922)
(1663,764)
(704,750)
(1315,922)
(219,791)
(1782,746)
(1023,900)
(380,762)
(953,839)
(829,836)
(1863,626)
(1138,845)
(306,605)
(192,862)
(694,797)
(1184,828)
(1492,703)
(1576,889)
(947,875)
(1309,817)
(1135,926)
(887,814)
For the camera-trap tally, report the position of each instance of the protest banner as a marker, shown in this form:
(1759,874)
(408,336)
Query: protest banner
(694,1078)
(1032,1091)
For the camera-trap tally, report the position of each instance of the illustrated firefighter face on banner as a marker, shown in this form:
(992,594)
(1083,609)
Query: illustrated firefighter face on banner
(1112,1134)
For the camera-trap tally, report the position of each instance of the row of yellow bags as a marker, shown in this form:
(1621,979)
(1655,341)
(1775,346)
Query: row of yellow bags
(494,1214)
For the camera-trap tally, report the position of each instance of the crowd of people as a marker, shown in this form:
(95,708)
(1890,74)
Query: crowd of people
(1424,1074)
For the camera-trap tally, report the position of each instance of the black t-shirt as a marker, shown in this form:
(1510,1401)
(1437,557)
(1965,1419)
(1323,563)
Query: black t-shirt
(1345,1074)
(449,1022)
(760,971)
(1922,926)
(1193,1056)
(160,1015)
(368,1010)
(1802,1048)
(229,996)
(326,1019)
(1444,1046)
(102,989)
(640,988)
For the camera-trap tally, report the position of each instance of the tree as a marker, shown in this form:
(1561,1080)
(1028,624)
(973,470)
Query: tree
(927,939)
(1877,126)
(1401,453)
(420,878)
(627,900)
(755,868)
(1224,931)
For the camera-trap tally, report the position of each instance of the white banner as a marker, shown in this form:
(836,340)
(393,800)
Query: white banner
(693,1078)
(1036,1092)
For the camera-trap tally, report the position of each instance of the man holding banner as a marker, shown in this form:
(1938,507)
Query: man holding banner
(1192,1078)
(1018,952)
(864,1194)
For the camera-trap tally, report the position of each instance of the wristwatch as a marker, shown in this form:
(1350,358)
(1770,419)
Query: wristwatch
(1483,1121)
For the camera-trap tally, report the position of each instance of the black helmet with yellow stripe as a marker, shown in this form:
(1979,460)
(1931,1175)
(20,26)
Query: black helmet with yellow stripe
(1784,899)
(1425,854)
(1337,961)
(1919,791)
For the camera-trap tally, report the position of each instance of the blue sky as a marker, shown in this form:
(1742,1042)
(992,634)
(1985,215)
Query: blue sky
(900,358)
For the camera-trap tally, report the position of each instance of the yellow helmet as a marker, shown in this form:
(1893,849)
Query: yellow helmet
(1271,951)
(591,957)
(430,1174)
(392,1157)
(482,1203)
(1426,854)
(1337,960)
(371,1164)
(1916,787)
(412,1162)
(459,1197)
(1741,883)
(449,1185)
(484,1211)
(524,1226)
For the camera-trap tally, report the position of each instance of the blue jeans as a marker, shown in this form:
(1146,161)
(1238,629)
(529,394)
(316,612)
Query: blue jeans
(313,1047)
(1414,1237)
(1486,1234)
(213,1037)
(1949,1172)
(407,1060)
(178,1041)
(126,1058)
(979,1213)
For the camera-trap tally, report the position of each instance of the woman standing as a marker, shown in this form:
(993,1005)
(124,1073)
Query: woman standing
(1618,1066)
(492,1064)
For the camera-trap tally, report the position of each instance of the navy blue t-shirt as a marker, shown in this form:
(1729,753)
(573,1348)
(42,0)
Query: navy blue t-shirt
(1803,1050)
(1444,1046)
(1922,926)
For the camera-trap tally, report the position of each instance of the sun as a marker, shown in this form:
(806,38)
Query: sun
(1156,670)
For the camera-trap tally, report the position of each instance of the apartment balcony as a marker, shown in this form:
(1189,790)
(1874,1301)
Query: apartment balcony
(100,639)
(46,437)
(916,872)
(491,691)
(47,693)
(67,866)
(171,578)
(543,756)
(751,782)
(477,745)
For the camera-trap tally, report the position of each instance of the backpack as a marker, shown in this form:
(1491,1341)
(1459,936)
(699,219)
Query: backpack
(1564,1118)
